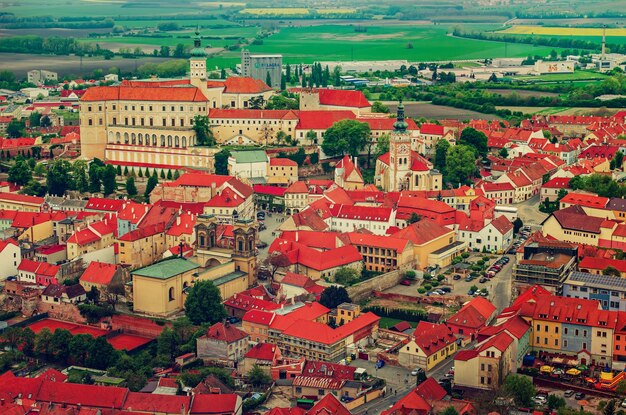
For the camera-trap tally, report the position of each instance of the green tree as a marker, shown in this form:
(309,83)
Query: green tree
(162,174)
(45,122)
(176,174)
(379,107)
(346,276)
(131,189)
(15,128)
(59,344)
(555,402)
(221,162)
(413,218)
(460,164)
(169,174)
(333,296)
(57,178)
(79,348)
(34,188)
(475,139)
(167,343)
(441,153)
(140,173)
(20,172)
(204,303)
(43,343)
(152,183)
(283,82)
(517,225)
(504,153)
(109,185)
(95,182)
(257,377)
(346,137)
(610,270)
(79,176)
(125,171)
(179,52)
(34,119)
(268,79)
(520,388)
(118,170)
(204,135)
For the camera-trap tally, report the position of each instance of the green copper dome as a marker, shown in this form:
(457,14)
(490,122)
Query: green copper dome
(400,125)
(197,51)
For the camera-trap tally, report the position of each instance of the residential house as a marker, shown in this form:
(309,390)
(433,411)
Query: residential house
(40,273)
(550,190)
(105,278)
(57,294)
(223,343)
(474,315)
(430,345)
(348,175)
(595,265)
(282,172)
(10,258)
(93,237)
(263,355)
(487,365)
(251,165)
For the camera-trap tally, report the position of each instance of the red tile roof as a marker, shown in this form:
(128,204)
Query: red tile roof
(151,402)
(225,333)
(38,268)
(557,183)
(245,85)
(227,199)
(297,280)
(147,93)
(502,224)
(574,218)
(6,242)
(269,190)
(593,263)
(583,199)
(431,129)
(99,273)
(386,123)
(328,405)
(422,232)
(298,187)
(141,233)
(431,390)
(24,199)
(282,162)
(396,243)
(86,395)
(322,120)
(215,404)
(497,187)
(474,314)
(259,317)
(103,204)
(262,351)
(431,337)
(314,368)
(363,213)
(343,98)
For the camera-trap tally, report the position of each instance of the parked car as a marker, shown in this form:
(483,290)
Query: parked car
(380,364)
(470,292)
(233,320)
(469,278)
(568,393)
(446,289)
(540,400)
(416,371)
(579,396)
(261,244)
(483,280)
(405,282)
(623,405)
(456,277)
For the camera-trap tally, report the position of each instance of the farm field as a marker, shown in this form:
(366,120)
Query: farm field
(559,110)
(576,76)
(523,93)
(21,63)
(438,112)
(613,35)
(422,43)
(564,31)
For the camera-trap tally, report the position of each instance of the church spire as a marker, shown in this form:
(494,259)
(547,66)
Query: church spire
(400,125)
(197,50)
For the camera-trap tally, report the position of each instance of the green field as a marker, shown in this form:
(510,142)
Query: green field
(386,322)
(576,76)
(341,42)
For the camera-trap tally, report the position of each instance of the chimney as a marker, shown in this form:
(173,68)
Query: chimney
(177,220)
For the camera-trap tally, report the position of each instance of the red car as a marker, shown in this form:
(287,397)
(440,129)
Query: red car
(405,282)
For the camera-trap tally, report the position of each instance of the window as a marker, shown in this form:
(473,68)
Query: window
(171,294)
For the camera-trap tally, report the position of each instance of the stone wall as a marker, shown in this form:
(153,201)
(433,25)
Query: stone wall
(62,311)
(363,290)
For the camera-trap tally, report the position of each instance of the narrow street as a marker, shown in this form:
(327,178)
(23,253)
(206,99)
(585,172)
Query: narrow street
(529,213)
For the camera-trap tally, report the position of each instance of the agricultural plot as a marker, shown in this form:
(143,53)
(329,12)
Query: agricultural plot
(414,43)
(613,35)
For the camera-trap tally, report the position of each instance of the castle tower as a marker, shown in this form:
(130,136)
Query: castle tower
(244,253)
(197,63)
(400,153)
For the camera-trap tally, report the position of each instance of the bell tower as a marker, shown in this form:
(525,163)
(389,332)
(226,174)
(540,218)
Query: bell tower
(399,153)
(197,62)
(244,252)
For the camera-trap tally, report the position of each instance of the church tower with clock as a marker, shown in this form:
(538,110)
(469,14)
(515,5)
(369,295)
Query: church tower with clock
(400,153)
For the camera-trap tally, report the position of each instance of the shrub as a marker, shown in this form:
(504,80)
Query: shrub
(441,277)
(435,283)
(465,255)
(428,277)
(486,258)
(421,290)
(410,274)
(428,287)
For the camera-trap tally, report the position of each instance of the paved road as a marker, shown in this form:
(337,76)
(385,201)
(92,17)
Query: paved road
(528,212)
(272,223)
(501,291)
